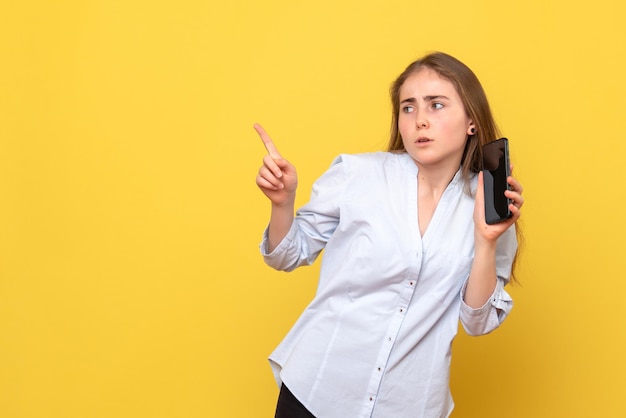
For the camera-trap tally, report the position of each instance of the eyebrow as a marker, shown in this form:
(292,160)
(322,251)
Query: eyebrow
(437,97)
(426,98)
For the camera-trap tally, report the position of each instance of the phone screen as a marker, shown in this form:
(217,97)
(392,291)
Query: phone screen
(496,169)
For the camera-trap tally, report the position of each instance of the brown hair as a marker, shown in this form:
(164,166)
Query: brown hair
(476,107)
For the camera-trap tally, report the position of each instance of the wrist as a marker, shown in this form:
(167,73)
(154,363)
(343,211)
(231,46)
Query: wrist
(288,204)
(484,246)
(287,200)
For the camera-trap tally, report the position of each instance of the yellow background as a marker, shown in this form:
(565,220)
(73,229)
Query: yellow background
(130,279)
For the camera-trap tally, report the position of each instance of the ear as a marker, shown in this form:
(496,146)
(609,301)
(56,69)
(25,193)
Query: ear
(471,129)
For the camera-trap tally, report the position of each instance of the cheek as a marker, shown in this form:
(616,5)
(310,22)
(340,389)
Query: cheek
(454,126)
(404,125)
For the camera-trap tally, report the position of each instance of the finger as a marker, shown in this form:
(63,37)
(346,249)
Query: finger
(263,183)
(480,186)
(480,180)
(514,193)
(515,185)
(515,212)
(267,141)
(269,175)
(272,164)
(479,208)
(516,199)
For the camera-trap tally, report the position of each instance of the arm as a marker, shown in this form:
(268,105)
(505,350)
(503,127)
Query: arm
(485,303)
(281,219)
(278,180)
(482,280)
(313,225)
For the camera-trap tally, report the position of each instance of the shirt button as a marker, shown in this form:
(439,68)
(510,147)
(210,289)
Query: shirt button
(371,399)
(401,310)
(388,338)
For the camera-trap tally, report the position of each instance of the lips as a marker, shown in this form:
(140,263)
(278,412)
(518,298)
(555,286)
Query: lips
(422,140)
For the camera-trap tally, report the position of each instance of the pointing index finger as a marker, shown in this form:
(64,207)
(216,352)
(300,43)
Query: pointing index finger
(267,141)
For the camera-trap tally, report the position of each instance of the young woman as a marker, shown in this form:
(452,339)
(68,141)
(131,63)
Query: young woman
(407,254)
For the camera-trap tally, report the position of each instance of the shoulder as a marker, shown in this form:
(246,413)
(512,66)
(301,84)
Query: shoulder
(367,170)
(373,161)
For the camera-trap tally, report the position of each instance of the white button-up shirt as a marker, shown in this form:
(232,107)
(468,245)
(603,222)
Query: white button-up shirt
(376,339)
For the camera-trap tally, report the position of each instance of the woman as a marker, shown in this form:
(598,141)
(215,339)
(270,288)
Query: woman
(407,253)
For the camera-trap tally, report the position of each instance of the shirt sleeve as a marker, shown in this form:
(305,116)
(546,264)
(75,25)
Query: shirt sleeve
(313,224)
(488,317)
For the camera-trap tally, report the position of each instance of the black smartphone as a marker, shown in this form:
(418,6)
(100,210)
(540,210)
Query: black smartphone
(496,169)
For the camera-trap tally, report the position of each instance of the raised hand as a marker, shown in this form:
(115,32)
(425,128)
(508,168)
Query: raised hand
(277,177)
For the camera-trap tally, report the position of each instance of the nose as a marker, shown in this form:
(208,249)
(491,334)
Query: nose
(421,123)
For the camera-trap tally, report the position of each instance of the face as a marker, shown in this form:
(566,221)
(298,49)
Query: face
(432,121)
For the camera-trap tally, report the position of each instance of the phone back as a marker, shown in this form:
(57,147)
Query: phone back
(496,170)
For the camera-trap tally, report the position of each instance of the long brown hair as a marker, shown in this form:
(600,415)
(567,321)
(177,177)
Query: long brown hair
(476,107)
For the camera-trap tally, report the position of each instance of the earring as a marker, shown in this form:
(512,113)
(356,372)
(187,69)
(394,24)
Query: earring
(472,130)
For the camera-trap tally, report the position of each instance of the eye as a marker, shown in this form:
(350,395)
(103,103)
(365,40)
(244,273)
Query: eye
(408,109)
(437,105)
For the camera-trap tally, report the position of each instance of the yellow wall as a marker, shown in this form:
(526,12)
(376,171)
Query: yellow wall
(130,280)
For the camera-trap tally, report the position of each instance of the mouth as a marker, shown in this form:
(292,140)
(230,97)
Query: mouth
(422,140)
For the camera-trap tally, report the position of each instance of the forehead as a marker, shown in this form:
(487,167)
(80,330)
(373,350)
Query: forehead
(427,82)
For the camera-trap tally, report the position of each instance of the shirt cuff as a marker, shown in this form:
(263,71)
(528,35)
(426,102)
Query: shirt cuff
(285,255)
(483,320)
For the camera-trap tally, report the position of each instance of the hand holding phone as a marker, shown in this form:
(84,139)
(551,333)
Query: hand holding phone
(496,170)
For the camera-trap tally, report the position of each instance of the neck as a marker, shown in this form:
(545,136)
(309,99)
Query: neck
(436,179)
